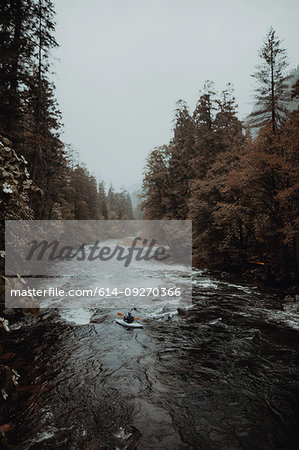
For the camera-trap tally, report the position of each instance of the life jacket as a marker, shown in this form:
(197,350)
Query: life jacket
(129,319)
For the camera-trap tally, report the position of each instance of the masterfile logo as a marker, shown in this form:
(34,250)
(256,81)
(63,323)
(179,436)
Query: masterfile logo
(54,251)
(97,263)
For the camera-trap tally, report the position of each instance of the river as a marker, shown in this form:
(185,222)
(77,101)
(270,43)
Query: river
(220,373)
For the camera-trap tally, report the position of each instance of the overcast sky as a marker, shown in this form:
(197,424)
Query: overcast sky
(123,64)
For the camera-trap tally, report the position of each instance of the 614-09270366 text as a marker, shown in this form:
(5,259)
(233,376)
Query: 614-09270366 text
(98,291)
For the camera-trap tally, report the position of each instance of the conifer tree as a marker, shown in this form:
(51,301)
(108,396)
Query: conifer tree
(159,200)
(204,118)
(181,154)
(103,208)
(16,54)
(207,195)
(272,88)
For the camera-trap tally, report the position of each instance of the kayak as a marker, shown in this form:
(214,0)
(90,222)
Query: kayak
(128,325)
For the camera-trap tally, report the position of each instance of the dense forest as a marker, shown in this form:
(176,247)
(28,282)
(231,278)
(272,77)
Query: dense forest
(41,177)
(237,181)
(240,191)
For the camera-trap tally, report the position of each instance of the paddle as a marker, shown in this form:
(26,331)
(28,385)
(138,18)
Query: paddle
(120,314)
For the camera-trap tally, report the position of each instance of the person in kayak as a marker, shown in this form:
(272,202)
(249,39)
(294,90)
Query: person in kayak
(129,318)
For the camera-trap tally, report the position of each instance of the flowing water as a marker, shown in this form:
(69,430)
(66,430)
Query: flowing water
(218,374)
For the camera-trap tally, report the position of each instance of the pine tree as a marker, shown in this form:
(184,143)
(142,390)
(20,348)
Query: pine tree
(16,54)
(204,118)
(119,205)
(207,195)
(29,115)
(272,90)
(103,208)
(181,154)
(41,91)
(111,203)
(205,108)
(125,200)
(158,193)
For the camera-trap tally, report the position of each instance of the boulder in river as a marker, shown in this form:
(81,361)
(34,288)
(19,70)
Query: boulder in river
(288,299)
(181,312)
(4,324)
(291,307)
